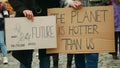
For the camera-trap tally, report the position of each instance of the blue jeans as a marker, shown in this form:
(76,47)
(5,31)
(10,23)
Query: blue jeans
(86,60)
(44,60)
(2,44)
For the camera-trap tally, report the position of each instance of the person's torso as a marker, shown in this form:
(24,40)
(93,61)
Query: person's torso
(39,7)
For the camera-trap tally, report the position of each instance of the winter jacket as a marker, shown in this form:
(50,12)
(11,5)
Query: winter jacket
(39,7)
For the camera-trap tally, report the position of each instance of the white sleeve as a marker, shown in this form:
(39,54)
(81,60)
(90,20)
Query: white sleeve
(5,12)
(67,3)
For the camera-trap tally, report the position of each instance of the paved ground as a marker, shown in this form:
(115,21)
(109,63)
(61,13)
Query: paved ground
(105,61)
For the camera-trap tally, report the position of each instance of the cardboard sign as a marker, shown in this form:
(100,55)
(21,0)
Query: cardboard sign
(23,34)
(88,30)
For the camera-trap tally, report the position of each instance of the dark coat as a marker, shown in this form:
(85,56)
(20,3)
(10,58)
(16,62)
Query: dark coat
(34,5)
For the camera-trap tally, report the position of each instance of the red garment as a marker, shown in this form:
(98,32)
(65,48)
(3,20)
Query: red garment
(110,3)
(0,7)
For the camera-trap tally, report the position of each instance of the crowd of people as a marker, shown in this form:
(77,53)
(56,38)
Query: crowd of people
(23,8)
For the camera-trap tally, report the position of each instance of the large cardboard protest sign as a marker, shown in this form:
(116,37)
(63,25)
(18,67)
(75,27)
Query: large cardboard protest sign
(23,34)
(89,30)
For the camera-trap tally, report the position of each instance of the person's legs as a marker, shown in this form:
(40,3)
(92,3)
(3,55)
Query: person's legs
(119,41)
(3,47)
(79,60)
(24,57)
(4,53)
(114,54)
(55,60)
(22,65)
(28,61)
(92,60)
(69,60)
(44,59)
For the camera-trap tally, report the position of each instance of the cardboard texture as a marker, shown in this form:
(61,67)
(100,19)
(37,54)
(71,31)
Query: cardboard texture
(23,34)
(88,30)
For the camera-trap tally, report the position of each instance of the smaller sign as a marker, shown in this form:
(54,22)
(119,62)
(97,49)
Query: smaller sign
(23,34)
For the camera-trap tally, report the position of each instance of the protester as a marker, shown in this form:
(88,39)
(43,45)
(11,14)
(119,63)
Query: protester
(87,60)
(3,14)
(77,5)
(116,5)
(30,9)
(73,4)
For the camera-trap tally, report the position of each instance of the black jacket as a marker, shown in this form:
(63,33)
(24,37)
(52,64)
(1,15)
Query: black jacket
(34,5)
(3,14)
